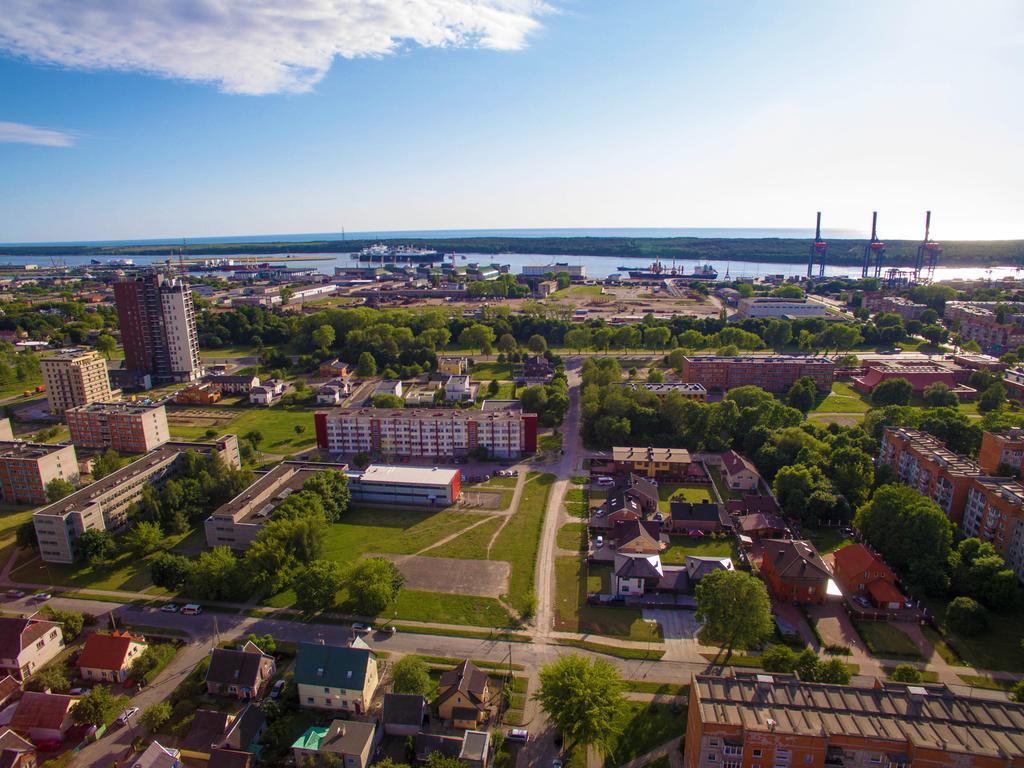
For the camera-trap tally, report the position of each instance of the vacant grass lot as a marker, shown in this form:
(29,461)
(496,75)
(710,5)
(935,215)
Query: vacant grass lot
(550,442)
(577,291)
(842,399)
(574,614)
(487,372)
(883,639)
(571,536)
(692,493)
(996,649)
(681,546)
(392,531)
(277,425)
(471,545)
(520,538)
(10,518)
(641,727)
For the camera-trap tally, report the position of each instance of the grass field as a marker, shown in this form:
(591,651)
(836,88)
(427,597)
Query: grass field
(681,546)
(996,649)
(885,640)
(827,540)
(472,545)
(277,425)
(926,677)
(692,493)
(520,539)
(487,372)
(988,683)
(571,536)
(576,291)
(10,518)
(392,531)
(641,727)
(574,614)
(231,351)
(550,442)
(842,399)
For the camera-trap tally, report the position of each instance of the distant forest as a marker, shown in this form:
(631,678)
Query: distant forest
(768,249)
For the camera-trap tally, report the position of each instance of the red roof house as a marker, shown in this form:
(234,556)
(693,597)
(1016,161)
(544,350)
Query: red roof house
(858,570)
(43,716)
(109,657)
(794,571)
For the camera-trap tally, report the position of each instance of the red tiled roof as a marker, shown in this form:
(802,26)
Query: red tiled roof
(884,592)
(734,463)
(41,710)
(106,651)
(855,558)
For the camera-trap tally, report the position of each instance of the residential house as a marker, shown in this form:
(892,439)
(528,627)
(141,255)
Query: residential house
(656,463)
(705,516)
(636,573)
(352,743)
(762,525)
(43,716)
(268,392)
(858,570)
(8,688)
(16,752)
(739,472)
(637,537)
(233,384)
(404,714)
(464,696)
(157,755)
(459,389)
(212,730)
(27,644)
(636,493)
(109,658)
(388,387)
(198,394)
(332,392)
(332,369)
(794,571)
(752,504)
(336,678)
(697,567)
(241,673)
(452,366)
(533,370)
(230,758)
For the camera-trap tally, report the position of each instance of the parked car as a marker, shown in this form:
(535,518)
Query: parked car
(127,714)
(169,607)
(15,594)
(192,609)
(78,691)
(556,763)
(362,629)
(604,481)
(41,597)
(862,601)
(598,542)
(517,734)
(275,692)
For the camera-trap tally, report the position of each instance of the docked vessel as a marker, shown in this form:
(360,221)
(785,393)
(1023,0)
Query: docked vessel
(657,271)
(384,253)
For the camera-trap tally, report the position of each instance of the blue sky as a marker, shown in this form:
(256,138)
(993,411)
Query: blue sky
(189,120)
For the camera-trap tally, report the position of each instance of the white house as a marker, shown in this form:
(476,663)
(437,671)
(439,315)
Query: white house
(27,644)
(268,392)
(739,473)
(458,389)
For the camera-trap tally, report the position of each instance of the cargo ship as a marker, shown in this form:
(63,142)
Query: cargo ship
(657,271)
(395,253)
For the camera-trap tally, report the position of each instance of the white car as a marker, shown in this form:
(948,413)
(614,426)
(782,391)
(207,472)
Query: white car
(605,482)
(192,609)
(128,713)
(599,542)
(169,608)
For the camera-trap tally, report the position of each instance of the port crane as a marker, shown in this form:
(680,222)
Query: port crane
(874,251)
(927,254)
(818,250)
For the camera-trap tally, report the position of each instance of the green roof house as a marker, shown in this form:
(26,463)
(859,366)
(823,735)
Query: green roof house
(336,678)
(352,742)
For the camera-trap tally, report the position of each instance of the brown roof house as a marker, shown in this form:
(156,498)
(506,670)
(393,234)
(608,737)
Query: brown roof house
(16,752)
(464,696)
(239,672)
(739,472)
(637,537)
(353,743)
(109,657)
(27,644)
(212,730)
(43,716)
(706,516)
(404,714)
(794,571)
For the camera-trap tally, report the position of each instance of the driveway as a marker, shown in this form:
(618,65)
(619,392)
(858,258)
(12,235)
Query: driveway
(835,628)
(680,629)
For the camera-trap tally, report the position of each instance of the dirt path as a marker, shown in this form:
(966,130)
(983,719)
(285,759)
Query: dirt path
(456,535)
(516,496)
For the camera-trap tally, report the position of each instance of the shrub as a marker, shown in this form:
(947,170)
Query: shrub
(778,658)
(966,616)
(906,673)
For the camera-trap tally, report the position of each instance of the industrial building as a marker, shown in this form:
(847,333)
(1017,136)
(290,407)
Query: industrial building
(125,427)
(27,468)
(767,306)
(420,486)
(575,271)
(775,373)
(921,375)
(74,377)
(500,427)
(158,329)
(688,390)
(778,720)
(876,301)
(104,504)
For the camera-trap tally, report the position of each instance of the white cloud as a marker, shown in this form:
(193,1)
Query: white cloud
(19,133)
(252,46)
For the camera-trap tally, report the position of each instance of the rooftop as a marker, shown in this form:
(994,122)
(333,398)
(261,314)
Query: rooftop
(763,359)
(380,473)
(935,450)
(19,449)
(71,353)
(927,717)
(490,410)
(659,455)
(257,502)
(117,407)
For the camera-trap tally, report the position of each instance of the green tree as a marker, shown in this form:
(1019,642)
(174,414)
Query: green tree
(107,462)
(966,616)
(143,538)
(286,294)
(657,337)
(478,336)
(98,707)
(794,485)
(323,337)
(778,334)
(410,675)
(807,665)
(95,546)
(71,622)
(577,338)
(156,657)
(537,344)
(26,537)
(438,759)
(735,609)
(892,392)
(106,344)
(852,472)
(626,337)
(215,575)
(1017,694)
(906,673)
(802,394)
(493,388)
(778,658)
(331,486)
(170,571)
(833,671)
(507,343)
(317,586)
(53,678)
(156,716)
(583,700)
(366,366)
(387,400)
(374,584)
(992,398)
(58,488)
(939,395)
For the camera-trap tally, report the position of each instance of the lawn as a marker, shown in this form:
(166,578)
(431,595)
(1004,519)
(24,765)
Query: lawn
(842,399)
(520,538)
(277,425)
(413,605)
(692,493)
(230,351)
(641,727)
(577,291)
(827,540)
(723,489)
(494,482)
(926,676)
(551,442)
(571,536)
(988,683)
(574,614)
(506,391)
(681,546)
(10,518)
(885,640)
(996,649)
(488,372)
(391,531)
(471,545)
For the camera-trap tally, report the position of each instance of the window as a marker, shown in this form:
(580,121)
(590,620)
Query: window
(712,757)
(876,759)
(757,753)
(309,699)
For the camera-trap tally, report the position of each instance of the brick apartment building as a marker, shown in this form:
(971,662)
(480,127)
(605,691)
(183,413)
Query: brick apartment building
(772,373)
(74,377)
(104,504)
(125,427)
(977,321)
(927,465)
(500,427)
(776,720)
(1001,448)
(994,512)
(876,301)
(26,469)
